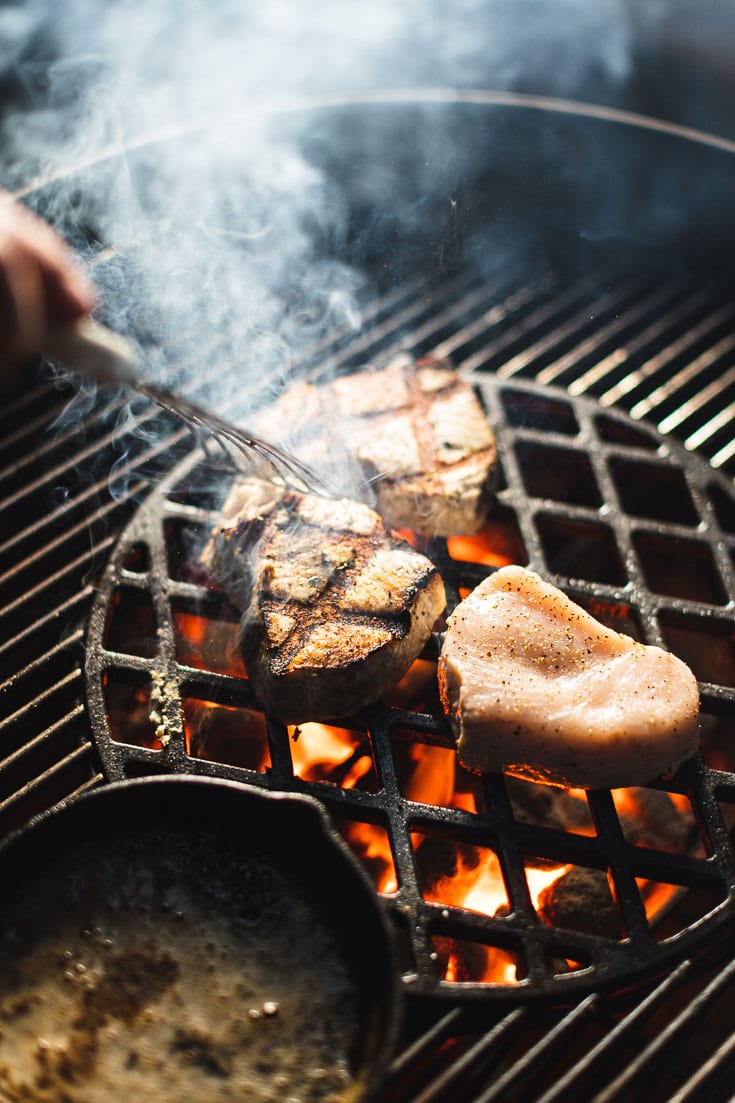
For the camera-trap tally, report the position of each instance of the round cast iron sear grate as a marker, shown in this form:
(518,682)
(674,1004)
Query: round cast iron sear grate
(491,881)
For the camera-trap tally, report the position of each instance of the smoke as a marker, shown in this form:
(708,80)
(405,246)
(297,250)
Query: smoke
(215,241)
(221,231)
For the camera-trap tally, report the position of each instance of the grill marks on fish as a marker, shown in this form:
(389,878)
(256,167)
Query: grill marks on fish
(336,608)
(417,430)
(321,590)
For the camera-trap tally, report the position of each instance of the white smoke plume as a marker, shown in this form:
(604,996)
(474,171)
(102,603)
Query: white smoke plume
(151,117)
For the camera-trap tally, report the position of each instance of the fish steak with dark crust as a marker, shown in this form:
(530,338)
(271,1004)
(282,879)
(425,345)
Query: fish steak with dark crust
(335,607)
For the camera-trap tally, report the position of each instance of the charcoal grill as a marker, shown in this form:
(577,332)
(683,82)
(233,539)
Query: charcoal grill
(612,329)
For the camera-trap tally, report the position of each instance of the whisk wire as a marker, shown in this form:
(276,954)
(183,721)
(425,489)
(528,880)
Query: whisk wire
(244,450)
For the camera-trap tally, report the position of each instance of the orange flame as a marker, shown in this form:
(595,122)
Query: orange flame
(232,735)
(417,690)
(497,545)
(208,644)
(372,845)
(337,755)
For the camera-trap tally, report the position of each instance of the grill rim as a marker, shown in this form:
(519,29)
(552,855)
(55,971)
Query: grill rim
(427,96)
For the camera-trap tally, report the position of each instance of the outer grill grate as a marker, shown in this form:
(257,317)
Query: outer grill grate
(667,361)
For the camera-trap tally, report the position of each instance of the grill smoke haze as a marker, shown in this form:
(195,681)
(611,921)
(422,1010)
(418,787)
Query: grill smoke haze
(223,234)
(220,234)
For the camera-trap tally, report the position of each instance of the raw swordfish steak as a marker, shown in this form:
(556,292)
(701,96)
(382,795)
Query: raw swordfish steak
(335,607)
(535,686)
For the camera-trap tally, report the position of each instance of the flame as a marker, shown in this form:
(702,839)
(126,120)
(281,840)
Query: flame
(372,845)
(229,734)
(656,896)
(417,690)
(473,962)
(497,545)
(473,879)
(540,879)
(208,644)
(432,775)
(341,756)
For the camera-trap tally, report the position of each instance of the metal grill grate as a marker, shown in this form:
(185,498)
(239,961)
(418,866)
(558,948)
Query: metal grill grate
(60,522)
(626,523)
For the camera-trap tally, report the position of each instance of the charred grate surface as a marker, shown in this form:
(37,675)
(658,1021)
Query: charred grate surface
(491,883)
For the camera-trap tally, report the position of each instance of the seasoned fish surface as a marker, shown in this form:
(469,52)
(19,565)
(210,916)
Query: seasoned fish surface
(336,608)
(534,685)
(417,431)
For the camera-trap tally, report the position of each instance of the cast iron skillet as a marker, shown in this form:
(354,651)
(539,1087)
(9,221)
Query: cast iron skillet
(292,831)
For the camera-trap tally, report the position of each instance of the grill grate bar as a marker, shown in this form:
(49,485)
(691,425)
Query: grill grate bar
(426,1045)
(15,410)
(659,363)
(24,687)
(51,549)
(652,335)
(614,1038)
(162,448)
(55,474)
(584,349)
(724,455)
(30,430)
(101,414)
(537,1053)
(25,712)
(560,334)
(537,319)
(82,565)
(699,438)
(392,335)
(492,317)
(666,393)
(79,755)
(473,1059)
(715,1065)
(73,605)
(675,1029)
(370,313)
(44,737)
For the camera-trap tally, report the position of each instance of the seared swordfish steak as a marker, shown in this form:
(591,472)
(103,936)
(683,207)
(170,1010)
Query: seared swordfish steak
(417,431)
(335,607)
(534,685)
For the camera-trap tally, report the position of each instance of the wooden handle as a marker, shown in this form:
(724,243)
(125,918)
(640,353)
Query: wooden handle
(94,350)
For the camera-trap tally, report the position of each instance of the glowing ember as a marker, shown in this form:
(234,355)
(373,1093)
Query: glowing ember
(129,714)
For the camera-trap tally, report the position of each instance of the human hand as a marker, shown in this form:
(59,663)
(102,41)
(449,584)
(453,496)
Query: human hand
(41,284)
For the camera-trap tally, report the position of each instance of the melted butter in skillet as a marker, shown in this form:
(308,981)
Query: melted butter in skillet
(168,967)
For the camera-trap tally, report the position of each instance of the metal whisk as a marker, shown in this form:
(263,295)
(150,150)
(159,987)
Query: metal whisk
(96,352)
